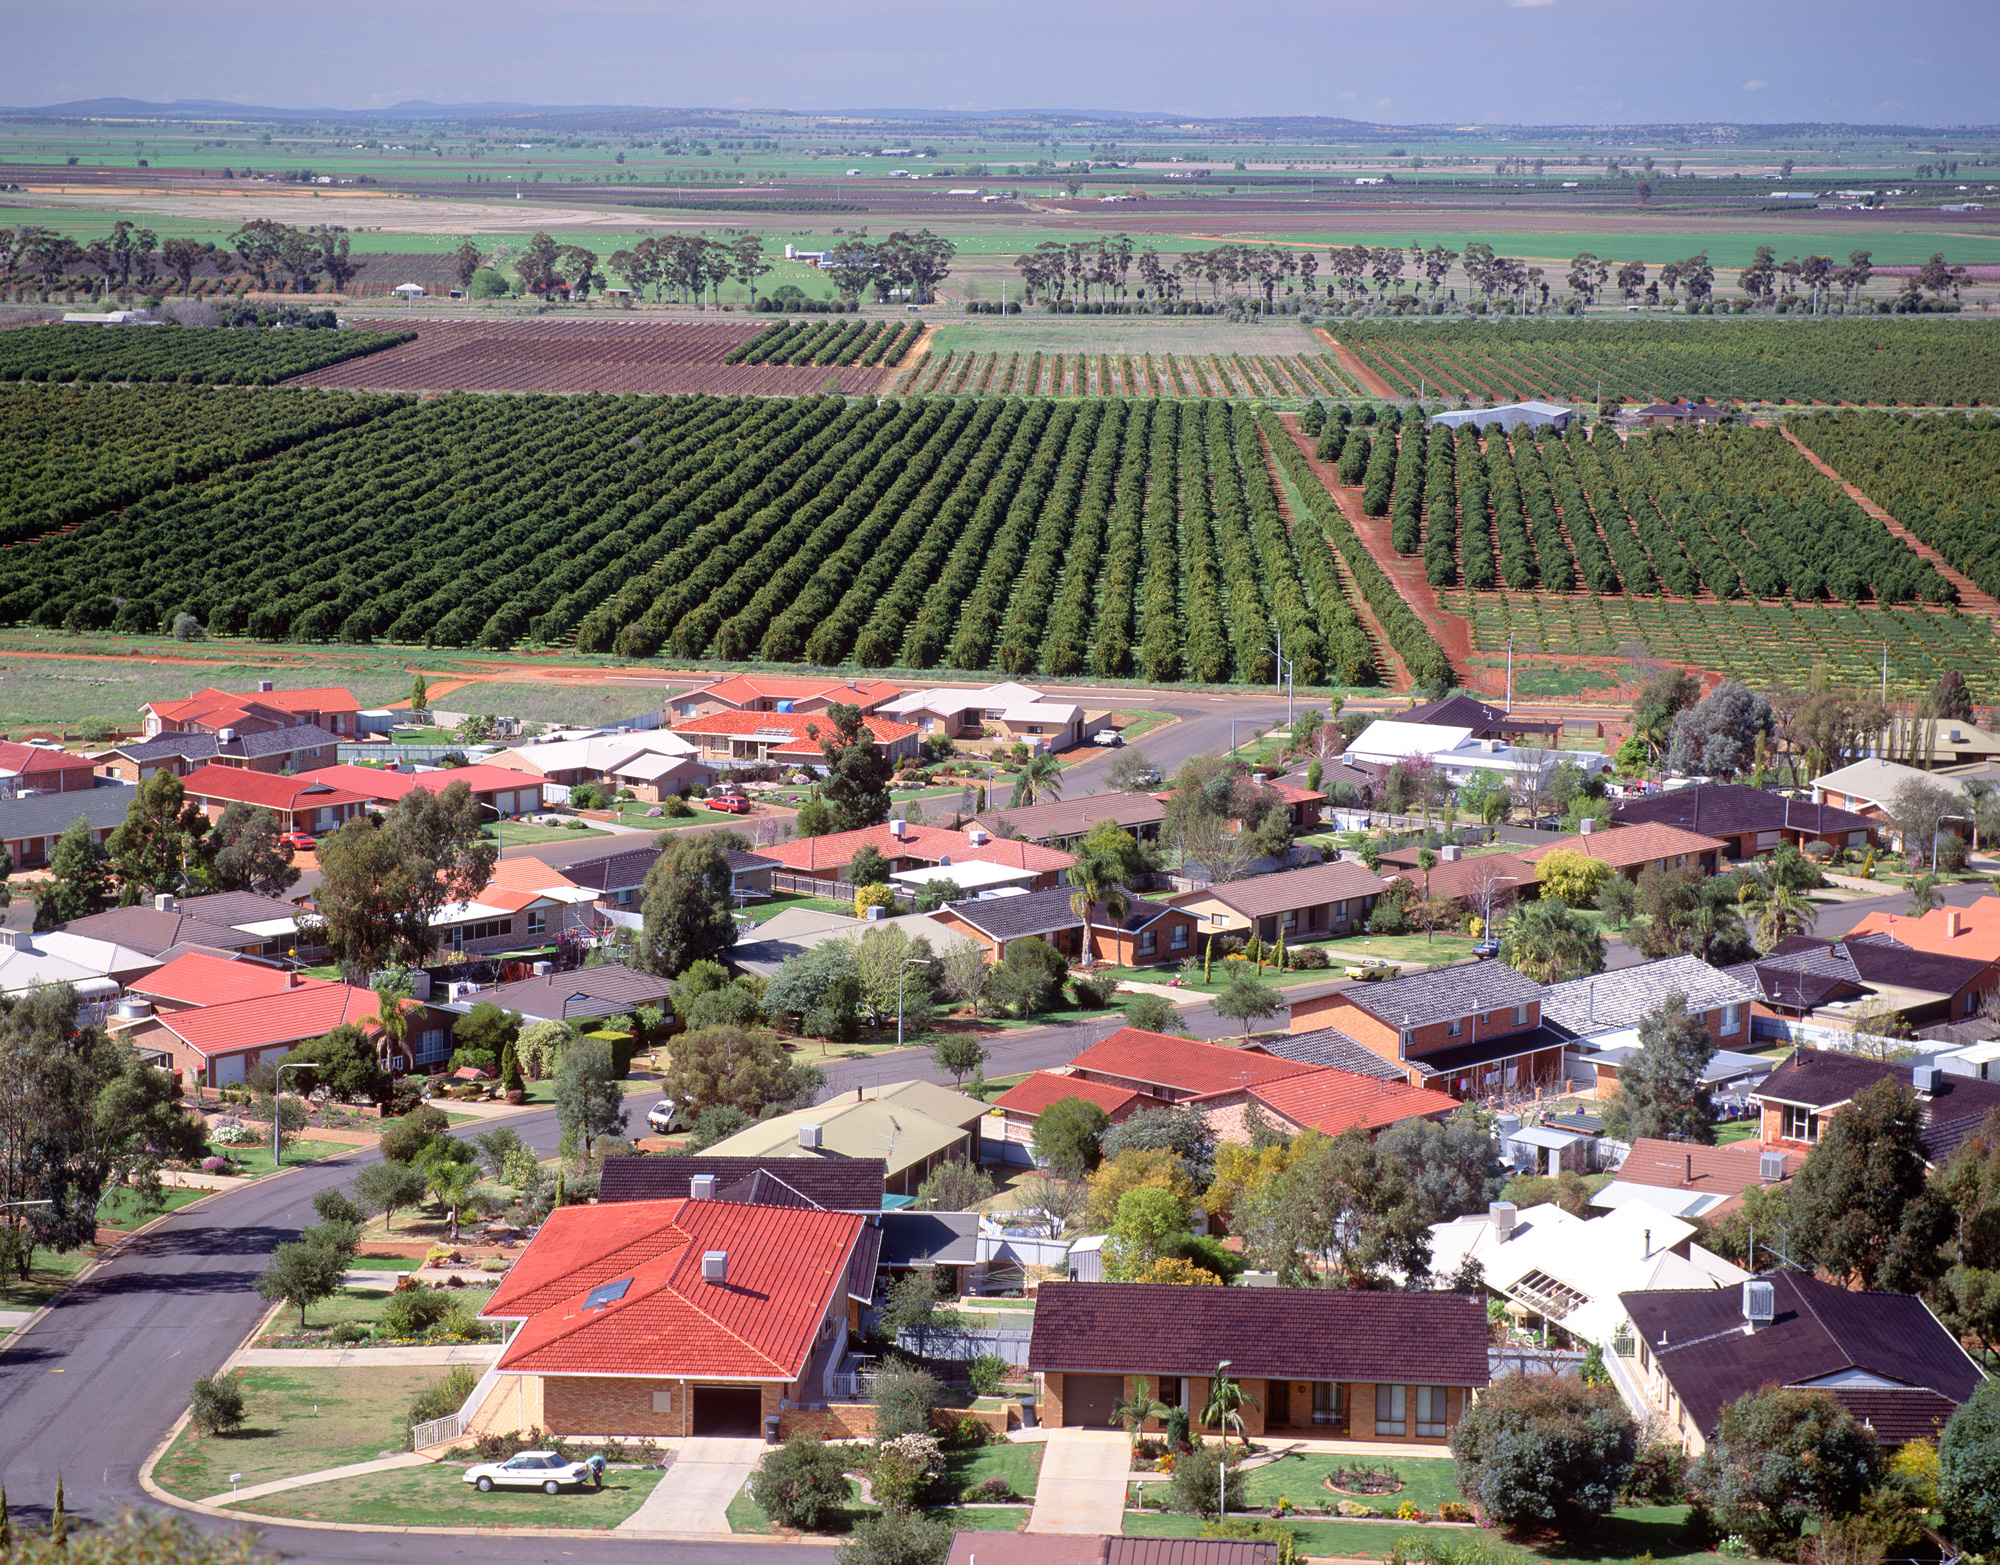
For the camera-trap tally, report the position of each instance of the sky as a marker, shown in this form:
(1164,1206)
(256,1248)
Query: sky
(1394,61)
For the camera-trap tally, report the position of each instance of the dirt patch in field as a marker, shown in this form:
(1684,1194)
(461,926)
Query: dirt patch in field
(1351,364)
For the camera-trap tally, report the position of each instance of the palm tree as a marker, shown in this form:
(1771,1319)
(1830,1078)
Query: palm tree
(1040,781)
(451,1184)
(1137,1408)
(394,1018)
(1226,1401)
(1091,890)
(1780,912)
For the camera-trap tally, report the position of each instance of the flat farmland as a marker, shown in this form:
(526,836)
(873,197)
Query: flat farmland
(1282,377)
(677,357)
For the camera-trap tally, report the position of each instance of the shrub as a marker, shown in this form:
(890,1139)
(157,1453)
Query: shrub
(904,1402)
(1309,959)
(1192,1490)
(897,1538)
(1094,993)
(905,1471)
(215,1405)
(994,1491)
(802,1483)
(1779,1458)
(674,807)
(413,1312)
(1659,1475)
(1454,1511)
(349,1331)
(986,1372)
(1968,1480)
(1177,1429)
(1544,1448)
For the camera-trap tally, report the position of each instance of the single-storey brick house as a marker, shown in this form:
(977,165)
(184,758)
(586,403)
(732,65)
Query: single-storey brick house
(44,769)
(1022,1104)
(221,1041)
(784,694)
(1751,821)
(180,752)
(1149,933)
(904,845)
(1332,1364)
(759,737)
(331,707)
(1474,1031)
(670,1319)
(1301,904)
(30,826)
(1634,849)
(1063,823)
(1334,1102)
(1812,1085)
(496,788)
(306,804)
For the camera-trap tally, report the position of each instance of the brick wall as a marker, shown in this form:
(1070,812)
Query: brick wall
(836,1421)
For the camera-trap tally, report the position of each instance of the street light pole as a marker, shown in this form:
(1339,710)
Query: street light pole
(901,974)
(278,1112)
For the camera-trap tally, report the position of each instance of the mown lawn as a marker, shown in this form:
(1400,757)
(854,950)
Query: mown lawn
(1428,1481)
(524,834)
(298,1421)
(124,1208)
(438,1496)
(358,1307)
(47,1276)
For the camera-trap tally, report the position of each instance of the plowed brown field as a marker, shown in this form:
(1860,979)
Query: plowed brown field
(649,356)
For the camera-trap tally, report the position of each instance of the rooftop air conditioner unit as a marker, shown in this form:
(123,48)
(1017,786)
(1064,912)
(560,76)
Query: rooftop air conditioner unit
(1451,853)
(980,837)
(701,1187)
(899,829)
(715,1266)
(544,969)
(1586,826)
(1502,1214)
(809,1137)
(164,902)
(1760,1304)
(1927,1078)
(1770,1166)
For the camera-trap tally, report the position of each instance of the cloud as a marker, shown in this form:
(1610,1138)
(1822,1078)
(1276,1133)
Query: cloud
(1755,84)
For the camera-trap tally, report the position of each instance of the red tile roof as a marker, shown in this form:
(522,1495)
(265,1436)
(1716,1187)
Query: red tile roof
(27,758)
(1333,1101)
(785,1266)
(368,782)
(210,705)
(1045,1087)
(272,792)
(200,979)
(767,687)
(311,1010)
(1183,1064)
(932,844)
(1641,843)
(793,723)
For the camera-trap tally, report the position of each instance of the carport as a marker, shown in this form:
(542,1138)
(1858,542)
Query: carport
(728,1410)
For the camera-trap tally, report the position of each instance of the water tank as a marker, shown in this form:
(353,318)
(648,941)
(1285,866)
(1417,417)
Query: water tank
(134,1009)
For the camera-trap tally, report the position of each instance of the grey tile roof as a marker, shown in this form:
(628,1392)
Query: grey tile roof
(924,1238)
(587,991)
(153,932)
(1331,1047)
(50,814)
(621,870)
(1440,993)
(739,861)
(1074,817)
(237,908)
(1804,971)
(1734,809)
(201,746)
(836,1184)
(1014,918)
(1605,1002)
(1826,1078)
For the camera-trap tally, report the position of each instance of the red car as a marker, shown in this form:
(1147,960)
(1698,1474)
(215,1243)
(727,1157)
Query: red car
(729,803)
(298,841)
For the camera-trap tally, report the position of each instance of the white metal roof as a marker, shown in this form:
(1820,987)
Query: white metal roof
(968,876)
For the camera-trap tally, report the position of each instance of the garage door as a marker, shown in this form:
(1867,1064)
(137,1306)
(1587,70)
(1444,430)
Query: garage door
(1089,1399)
(728,1410)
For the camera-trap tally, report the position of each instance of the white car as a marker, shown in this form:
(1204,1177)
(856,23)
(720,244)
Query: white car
(1108,737)
(542,1470)
(665,1117)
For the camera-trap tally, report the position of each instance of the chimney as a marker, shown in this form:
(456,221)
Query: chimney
(1954,923)
(1690,1166)
(715,1266)
(809,1137)
(1760,1305)
(1586,826)
(163,902)
(701,1187)
(291,980)
(1501,1215)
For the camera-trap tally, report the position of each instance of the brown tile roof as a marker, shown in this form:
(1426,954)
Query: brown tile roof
(1819,1330)
(1262,895)
(1680,1165)
(1183,1064)
(1269,1333)
(1622,846)
(740,688)
(1011,1548)
(1734,810)
(1461,877)
(1042,1088)
(852,1184)
(1333,1101)
(1074,817)
(927,844)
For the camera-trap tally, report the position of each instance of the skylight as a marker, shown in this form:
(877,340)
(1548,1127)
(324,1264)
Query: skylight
(606,1294)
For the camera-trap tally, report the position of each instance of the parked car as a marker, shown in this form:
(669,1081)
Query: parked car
(298,841)
(1108,737)
(542,1470)
(729,803)
(1147,779)
(665,1117)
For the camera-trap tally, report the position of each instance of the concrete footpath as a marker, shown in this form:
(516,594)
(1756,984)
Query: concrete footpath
(257,1491)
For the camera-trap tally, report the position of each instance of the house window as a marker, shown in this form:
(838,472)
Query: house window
(1218,918)
(1340,912)
(485,929)
(1178,940)
(1732,1019)
(1430,1412)
(1454,1027)
(624,896)
(433,1044)
(1801,1124)
(1326,1402)
(1148,943)
(1390,1415)
(538,921)
(1971,1004)
(1174,1390)
(1520,1016)
(1292,919)
(687,709)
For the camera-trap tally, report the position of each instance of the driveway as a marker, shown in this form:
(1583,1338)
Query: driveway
(1082,1484)
(695,1494)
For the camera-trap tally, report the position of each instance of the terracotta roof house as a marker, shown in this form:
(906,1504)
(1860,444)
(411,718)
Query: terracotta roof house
(1696,1181)
(30,825)
(1820,982)
(1062,823)
(1178,1070)
(495,787)
(759,737)
(1972,931)
(1314,903)
(834,1184)
(331,707)
(1812,1085)
(40,768)
(1147,934)
(199,978)
(181,751)
(1474,1030)
(785,694)
(1333,1102)
(1324,1362)
(908,846)
(1752,821)
(315,805)
(671,1319)
(1633,849)
(1480,883)
(222,1039)
(611,989)
(1883,1356)
(1022,1104)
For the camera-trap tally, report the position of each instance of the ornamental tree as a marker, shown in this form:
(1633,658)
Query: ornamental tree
(1783,1457)
(1544,1449)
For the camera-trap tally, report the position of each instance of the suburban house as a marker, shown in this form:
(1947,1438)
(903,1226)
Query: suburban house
(1329,1048)
(582,994)
(330,707)
(1460,755)
(1483,885)
(183,751)
(852,1184)
(496,788)
(1883,1356)
(1632,850)
(503,918)
(164,927)
(796,930)
(945,1245)
(1148,934)
(757,738)
(960,714)
(780,693)
(1812,1085)
(654,764)
(1933,743)
(1869,787)
(1334,1102)
(1833,986)
(1021,1105)
(1676,413)
(1459,710)
(671,1319)
(286,929)
(1619,999)
(1329,1363)
(30,824)
(302,804)
(1569,1271)
(1972,931)
(1687,1180)
(1473,1031)
(1212,1078)
(1063,823)
(217,1041)
(905,845)
(42,768)
(1750,820)
(1301,904)
(910,1141)
(97,970)
(197,978)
